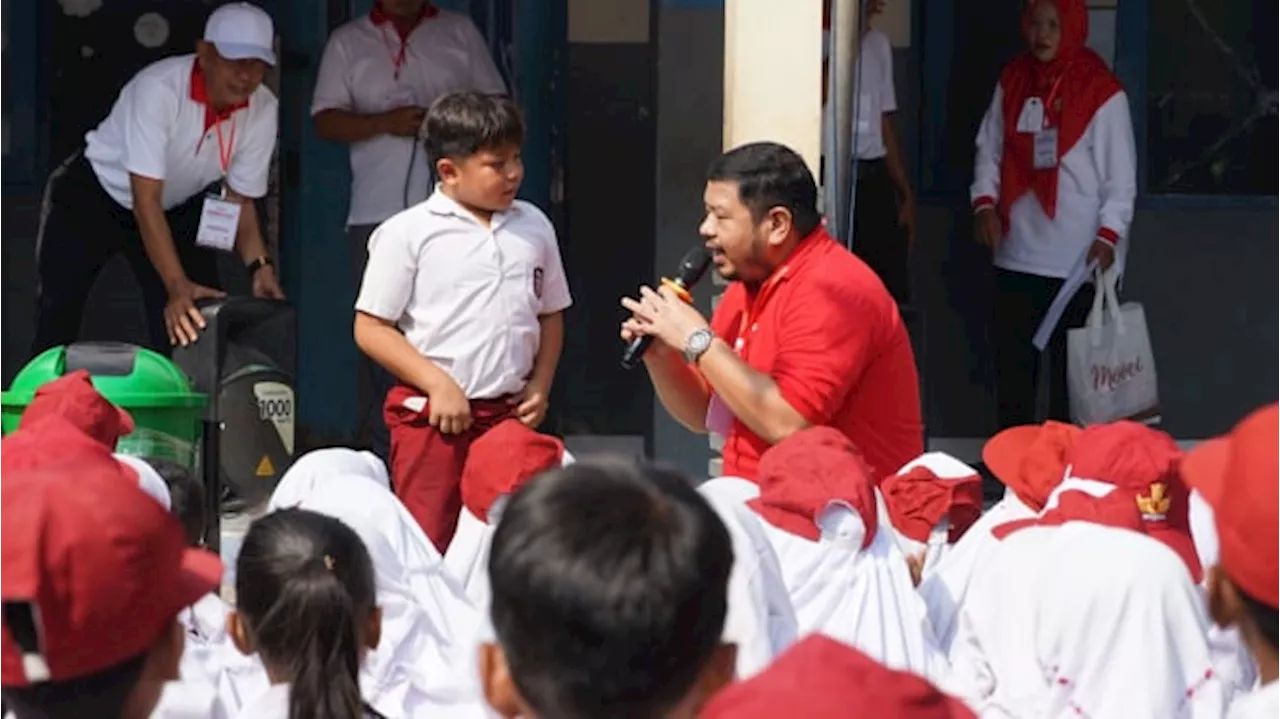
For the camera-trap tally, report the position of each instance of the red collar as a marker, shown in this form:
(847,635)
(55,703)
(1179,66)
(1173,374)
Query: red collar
(403,29)
(200,94)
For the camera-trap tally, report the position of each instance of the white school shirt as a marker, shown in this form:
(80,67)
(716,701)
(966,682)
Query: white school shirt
(875,94)
(157,129)
(1261,704)
(1097,184)
(760,619)
(466,296)
(443,54)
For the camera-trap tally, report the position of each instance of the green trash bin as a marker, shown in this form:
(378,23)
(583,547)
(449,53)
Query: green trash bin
(165,410)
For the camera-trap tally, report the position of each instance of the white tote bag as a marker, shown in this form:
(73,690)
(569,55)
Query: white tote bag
(1111,372)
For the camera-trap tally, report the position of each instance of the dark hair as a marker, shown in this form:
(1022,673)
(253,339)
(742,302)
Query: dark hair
(463,123)
(102,694)
(305,587)
(186,496)
(1264,618)
(770,175)
(608,589)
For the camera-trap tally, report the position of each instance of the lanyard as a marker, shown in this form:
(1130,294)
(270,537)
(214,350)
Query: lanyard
(397,58)
(224,151)
(752,311)
(1053,93)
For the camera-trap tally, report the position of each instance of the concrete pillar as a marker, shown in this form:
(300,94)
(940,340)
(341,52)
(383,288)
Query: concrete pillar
(773,74)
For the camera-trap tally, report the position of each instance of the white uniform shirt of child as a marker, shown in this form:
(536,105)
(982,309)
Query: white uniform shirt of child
(466,296)
(445,53)
(158,128)
(875,94)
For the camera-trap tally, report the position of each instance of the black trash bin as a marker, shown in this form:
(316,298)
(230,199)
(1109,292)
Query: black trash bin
(245,361)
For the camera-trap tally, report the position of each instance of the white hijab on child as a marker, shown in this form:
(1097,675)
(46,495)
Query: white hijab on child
(149,480)
(1121,630)
(760,620)
(422,662)
(844,573)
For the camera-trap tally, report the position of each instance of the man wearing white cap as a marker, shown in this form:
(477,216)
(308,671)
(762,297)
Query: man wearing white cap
(178,127)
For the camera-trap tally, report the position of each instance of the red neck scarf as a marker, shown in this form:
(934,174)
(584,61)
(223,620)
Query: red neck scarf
(403,26)
(1080,83)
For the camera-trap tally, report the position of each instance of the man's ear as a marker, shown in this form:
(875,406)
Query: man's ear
(1225,606)
(238,630)
(373,630)
(718,673)
(778,224)
(496,683)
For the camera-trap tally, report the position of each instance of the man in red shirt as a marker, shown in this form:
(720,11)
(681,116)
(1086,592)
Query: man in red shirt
(805,335)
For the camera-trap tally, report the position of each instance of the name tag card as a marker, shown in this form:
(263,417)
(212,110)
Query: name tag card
(219,220)
(1031,118)
(1045,152)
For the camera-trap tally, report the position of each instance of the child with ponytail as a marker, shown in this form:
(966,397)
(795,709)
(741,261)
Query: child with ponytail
(305,603)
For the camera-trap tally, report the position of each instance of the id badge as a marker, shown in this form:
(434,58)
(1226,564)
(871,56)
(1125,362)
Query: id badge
(1045,154)
(719,418)
(1031,118)
(219,221)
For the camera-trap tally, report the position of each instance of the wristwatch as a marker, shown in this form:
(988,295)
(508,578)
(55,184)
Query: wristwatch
(696,344)
(258,264)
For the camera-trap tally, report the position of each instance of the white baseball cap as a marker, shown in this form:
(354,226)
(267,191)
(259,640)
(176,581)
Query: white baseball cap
(241,31)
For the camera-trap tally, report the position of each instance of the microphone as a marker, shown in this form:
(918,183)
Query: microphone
(691,270)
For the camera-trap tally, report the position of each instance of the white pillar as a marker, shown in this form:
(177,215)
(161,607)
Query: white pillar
(773,74)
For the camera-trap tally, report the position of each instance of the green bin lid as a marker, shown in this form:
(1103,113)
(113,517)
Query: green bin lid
(129,376)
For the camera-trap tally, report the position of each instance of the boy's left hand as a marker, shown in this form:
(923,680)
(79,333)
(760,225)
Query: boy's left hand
(531,405)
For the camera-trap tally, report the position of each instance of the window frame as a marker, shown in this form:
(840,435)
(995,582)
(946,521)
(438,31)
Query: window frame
(26,97)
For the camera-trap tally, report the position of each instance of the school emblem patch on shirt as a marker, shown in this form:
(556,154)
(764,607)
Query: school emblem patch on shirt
(537,282)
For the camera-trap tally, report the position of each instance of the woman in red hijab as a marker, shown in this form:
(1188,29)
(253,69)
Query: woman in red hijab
(1054,184)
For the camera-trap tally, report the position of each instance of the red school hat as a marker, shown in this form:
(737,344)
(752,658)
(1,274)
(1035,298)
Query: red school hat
(74,398)
(1113,510)
(1143,464)
(501,460)
(1031,459)
(93,569)
(931,487)
(821,678)
(805,473)
(1239,476)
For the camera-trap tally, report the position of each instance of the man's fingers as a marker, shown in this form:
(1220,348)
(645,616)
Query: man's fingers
(200,292)
(194,315)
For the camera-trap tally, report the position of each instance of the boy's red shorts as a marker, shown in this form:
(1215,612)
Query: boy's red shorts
(426,466)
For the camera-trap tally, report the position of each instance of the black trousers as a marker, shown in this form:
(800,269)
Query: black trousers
(1020,302)
(877,237)
(84,230)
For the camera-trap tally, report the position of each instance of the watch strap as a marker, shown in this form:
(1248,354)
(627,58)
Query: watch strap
(257,264)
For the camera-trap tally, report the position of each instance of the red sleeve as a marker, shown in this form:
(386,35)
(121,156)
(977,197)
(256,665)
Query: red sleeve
(823,348)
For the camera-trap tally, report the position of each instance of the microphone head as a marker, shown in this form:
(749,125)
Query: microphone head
(693,266)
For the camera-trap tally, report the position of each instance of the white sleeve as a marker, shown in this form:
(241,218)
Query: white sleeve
(390,273)
(555,288)
(250,167)
(1116,161)
(332,91)
(985,189)
(149,109)
(888,93)
(484,74)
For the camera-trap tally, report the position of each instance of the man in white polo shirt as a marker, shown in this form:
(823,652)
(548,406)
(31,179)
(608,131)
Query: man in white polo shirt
(140,185)
(378,76)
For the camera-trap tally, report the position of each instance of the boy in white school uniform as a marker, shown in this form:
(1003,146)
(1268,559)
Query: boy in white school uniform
(462,301)
(139,186)
(379,74)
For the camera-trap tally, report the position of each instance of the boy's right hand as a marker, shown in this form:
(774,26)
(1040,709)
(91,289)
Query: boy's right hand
(448,408)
